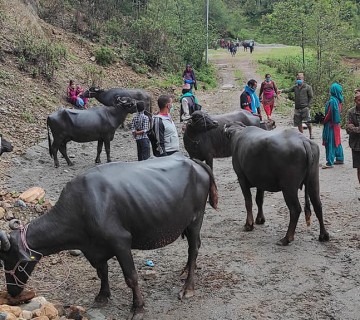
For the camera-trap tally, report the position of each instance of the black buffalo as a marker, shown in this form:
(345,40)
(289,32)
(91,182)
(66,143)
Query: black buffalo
(205,142)
(111,209)
(5,146)
(277,161)
(95,124)
(111,96)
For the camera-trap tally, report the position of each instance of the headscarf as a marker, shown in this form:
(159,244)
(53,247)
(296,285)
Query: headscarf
(336,91)
(255,102)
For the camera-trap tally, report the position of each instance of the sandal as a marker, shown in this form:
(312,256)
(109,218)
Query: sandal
(327,166)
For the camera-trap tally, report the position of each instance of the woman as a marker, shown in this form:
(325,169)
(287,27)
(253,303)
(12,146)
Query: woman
(189,76)
(268,91)
(331,131)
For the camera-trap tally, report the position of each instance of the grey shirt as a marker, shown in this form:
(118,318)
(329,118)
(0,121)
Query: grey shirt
(303,95)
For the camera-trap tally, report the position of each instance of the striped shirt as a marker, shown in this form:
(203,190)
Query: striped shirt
(140,122)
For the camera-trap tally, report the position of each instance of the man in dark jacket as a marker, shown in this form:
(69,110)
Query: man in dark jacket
(353,129)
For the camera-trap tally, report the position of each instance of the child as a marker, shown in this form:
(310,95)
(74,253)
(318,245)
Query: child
(140,124)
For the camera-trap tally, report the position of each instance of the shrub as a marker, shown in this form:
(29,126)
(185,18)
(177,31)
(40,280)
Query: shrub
(104,56)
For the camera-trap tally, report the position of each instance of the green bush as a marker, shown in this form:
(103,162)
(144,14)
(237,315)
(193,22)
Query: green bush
(38,57)
(104,56)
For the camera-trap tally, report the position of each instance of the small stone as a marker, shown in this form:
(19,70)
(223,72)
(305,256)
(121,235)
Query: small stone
(26,314)
(75,253)
(2,212)
(20,203)
(149,274)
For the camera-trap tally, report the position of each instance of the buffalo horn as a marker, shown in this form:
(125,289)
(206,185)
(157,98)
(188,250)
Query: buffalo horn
(14,224)
(4,242)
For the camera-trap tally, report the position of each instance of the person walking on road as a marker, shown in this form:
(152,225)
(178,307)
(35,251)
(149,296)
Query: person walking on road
(353,129)
(303,98)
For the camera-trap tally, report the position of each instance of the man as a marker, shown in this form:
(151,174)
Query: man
(140,125)
(249,100)
(353,129)
(166,137)
(188,103)
(303,97)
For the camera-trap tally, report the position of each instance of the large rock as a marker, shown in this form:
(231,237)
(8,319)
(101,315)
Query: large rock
(33,194)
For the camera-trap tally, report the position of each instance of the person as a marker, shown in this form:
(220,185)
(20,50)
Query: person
(79,93)
(303,98)
(71,92)
(189,76)
(140,125)
(166,140)
(249,100)
(251,45)
(188,103)
(74,95)
(267,94)
(353,129)
(331,131)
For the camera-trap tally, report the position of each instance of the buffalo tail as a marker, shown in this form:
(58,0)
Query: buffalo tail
(213,191)
(49,139)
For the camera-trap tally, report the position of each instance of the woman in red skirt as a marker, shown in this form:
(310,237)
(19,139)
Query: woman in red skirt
(268,92)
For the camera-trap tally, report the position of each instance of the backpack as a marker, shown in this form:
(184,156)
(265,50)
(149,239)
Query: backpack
(193,106)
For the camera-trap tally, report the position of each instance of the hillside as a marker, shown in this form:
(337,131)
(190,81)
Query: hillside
(26,101)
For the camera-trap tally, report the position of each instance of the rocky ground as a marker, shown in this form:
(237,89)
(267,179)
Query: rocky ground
(241,275)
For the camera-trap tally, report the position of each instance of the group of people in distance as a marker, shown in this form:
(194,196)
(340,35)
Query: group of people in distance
(303,92)
(161,134)
(163,137)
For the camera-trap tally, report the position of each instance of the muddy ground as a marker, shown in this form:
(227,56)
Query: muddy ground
(241,275)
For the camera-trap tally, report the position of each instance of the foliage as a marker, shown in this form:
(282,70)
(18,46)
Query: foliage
(38,57)
(94,76)
(104,56)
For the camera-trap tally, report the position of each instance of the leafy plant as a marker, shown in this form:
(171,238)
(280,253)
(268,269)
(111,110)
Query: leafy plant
(104,56)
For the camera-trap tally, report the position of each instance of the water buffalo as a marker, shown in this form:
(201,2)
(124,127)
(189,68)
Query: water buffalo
(275,161)
(111,209)
(95,124)
(203,142)
(5,146)
(111,96)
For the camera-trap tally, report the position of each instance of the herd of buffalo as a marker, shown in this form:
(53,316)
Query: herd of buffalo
(111,214)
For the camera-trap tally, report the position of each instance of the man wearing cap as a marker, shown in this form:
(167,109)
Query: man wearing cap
(303,97)
(188,103)
(353,129)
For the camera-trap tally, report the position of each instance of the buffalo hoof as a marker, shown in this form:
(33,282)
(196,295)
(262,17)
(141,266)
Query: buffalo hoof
(70,164)
(249,227)
(283,242)
(137,316)
(324,237)
(186,293)
(101,301)
(260,220)
(97,161)
(56,165)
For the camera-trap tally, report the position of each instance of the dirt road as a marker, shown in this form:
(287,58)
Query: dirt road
(241,275)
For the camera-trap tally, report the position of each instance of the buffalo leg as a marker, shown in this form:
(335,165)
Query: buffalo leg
(316,202)
(292,202)
(107,150)
(249,224)
(54,151)
(126,261)
(307,208)
(193,237)
(104,293)
(99,149)
(62,150)
(260,219)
